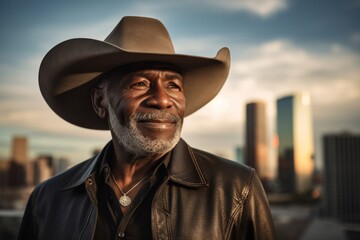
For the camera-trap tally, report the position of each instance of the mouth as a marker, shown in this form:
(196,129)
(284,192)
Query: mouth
(157,120)
(158,123)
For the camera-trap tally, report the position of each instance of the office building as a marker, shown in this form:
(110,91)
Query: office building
(256,154)
(43,169)
(342,177)
(20,150)
(20,169)
(296,144)
(4,167)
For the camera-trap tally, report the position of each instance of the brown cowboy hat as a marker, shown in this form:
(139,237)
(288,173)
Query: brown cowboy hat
(68,71)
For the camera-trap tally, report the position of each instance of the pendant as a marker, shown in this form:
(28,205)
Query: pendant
(124,201)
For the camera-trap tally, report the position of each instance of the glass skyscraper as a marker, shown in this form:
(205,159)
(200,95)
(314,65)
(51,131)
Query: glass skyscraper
(296,143)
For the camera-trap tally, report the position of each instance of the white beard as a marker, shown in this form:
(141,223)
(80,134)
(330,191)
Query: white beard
(135,142)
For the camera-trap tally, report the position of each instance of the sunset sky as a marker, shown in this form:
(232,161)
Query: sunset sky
(278,47)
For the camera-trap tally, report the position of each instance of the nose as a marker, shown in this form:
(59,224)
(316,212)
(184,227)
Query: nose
(159,98)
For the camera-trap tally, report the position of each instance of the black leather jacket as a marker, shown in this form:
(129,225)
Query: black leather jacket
(203,197)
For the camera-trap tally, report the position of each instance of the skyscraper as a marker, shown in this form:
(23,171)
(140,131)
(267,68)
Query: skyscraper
(256,138)
(20,150)
(296,143)
(342,179)
(20,170)
(43,168)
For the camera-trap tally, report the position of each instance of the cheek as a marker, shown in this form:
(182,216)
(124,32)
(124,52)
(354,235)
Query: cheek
(181,105)
(125,108)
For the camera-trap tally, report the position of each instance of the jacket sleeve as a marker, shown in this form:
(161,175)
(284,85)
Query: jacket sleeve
(256,221)
(28,227)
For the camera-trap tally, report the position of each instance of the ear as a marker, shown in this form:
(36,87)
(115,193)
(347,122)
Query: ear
(98,102)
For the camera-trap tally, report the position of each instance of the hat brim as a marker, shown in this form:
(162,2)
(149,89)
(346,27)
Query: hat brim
(68,70)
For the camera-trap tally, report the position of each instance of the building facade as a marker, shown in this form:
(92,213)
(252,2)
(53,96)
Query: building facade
(20,169)
(342,176)
(256,154)
(296,144)
(20,150)
(43,168)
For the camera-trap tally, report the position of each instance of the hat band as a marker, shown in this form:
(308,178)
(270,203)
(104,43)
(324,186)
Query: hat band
(137,66)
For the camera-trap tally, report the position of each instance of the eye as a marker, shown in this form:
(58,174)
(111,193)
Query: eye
(140,84)
(175,86)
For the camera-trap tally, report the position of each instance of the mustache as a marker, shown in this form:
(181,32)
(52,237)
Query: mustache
(156,115)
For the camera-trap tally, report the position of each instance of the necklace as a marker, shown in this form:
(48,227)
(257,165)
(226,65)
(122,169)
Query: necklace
(125,200)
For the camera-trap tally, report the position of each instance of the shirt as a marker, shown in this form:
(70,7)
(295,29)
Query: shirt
(136,223)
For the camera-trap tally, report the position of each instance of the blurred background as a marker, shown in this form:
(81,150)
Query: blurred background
(290,107)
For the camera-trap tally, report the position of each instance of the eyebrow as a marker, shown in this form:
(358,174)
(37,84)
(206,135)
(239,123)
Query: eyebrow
(173,75)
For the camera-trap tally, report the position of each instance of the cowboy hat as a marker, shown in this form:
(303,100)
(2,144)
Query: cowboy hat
(68,71)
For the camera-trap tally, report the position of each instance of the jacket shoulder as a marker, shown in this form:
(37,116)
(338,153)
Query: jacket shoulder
(212,165)
(52,209)
(228,175)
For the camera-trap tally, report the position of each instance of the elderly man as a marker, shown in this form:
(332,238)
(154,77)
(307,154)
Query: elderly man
(146,183)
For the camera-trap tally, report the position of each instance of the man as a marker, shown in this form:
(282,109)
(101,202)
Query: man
(146,183)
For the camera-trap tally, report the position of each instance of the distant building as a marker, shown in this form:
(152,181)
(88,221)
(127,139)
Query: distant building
(16,177)
(4,168)
(239,155)
(20,169)
(20,150)
(342,176)
(256,154)
(43,169)
(61,165)
(296,144)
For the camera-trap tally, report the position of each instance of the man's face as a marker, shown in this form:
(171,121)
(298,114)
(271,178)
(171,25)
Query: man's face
(146,110)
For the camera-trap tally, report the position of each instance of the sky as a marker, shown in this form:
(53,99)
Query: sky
(278,47)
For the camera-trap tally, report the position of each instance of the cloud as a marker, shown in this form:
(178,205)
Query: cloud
(38,116)
(21,103)
(355,38)
(99,29)
(202,46)
(280,67)
(263,8)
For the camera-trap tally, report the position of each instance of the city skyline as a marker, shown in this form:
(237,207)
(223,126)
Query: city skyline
(22,171)
(276,50)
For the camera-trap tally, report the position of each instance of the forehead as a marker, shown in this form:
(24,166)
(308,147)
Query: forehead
(140,66)
(153,74)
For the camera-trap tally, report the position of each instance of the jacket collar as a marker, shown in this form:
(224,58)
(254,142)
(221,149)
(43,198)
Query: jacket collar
(86,168)
(183,168)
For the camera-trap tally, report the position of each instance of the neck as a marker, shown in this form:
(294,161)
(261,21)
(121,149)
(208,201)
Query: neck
(128,168)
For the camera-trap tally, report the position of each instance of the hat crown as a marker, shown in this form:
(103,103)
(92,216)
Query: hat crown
(141,34)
